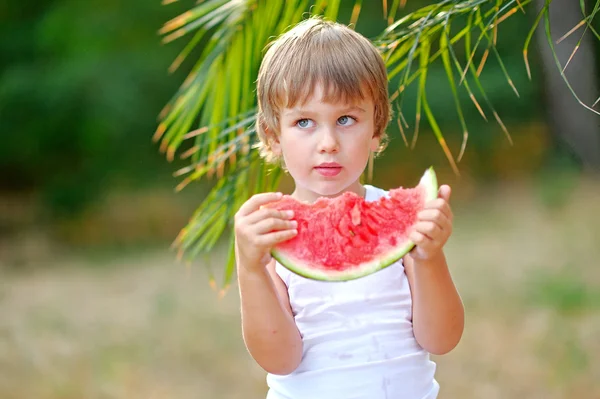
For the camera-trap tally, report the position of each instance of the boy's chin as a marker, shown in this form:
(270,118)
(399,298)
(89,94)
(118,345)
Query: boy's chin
(329,189)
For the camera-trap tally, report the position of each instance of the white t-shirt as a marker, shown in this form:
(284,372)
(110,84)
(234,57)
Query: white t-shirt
(358,340)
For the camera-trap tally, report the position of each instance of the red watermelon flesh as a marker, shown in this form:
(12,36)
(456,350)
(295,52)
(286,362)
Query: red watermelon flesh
(346,237)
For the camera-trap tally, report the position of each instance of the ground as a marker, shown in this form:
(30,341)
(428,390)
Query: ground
(140,325)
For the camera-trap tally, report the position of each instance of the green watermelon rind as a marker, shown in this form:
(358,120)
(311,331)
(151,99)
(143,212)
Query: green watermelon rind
(429,181)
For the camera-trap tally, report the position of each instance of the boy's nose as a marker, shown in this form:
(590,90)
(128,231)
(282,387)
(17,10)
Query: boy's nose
(329,141)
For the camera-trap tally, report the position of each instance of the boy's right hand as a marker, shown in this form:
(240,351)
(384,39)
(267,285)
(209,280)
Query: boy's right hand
(258,229)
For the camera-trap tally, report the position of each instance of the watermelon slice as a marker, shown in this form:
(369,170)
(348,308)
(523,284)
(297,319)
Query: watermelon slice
(346,237)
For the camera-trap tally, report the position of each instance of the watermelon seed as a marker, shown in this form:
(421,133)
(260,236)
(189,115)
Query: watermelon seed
(351,233)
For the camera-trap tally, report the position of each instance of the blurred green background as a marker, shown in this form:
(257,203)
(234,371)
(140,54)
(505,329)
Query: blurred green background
(93,304)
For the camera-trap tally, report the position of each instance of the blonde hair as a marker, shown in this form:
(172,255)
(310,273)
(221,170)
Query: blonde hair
(315,52)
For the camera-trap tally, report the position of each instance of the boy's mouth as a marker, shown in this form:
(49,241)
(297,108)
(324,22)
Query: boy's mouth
(329,169)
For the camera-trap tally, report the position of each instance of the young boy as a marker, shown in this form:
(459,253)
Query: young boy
(323,109)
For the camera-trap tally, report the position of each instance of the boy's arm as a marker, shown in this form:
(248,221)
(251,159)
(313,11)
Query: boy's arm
(438,313)
(268,326)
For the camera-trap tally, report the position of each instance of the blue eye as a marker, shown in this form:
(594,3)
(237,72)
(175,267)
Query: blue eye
(304,123)
(346,120)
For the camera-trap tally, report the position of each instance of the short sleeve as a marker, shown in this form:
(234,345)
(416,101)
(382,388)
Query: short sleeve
(283,273)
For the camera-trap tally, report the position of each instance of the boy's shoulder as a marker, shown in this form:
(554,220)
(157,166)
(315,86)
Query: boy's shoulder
(374,192)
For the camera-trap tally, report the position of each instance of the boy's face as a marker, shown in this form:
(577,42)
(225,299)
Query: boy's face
(326,146)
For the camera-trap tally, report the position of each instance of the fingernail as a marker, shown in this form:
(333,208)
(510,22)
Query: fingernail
(290,213)
(294,223)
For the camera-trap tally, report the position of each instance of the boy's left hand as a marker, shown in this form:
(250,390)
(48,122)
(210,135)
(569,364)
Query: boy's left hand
(433,227)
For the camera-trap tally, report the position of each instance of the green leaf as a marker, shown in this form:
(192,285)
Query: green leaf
(424,61)
(445,51)
(557,61)
(218,95)
(210,117)
(484,30)
(529,37)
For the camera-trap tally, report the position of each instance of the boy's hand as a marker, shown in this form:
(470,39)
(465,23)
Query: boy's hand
(433,227)
(258,229)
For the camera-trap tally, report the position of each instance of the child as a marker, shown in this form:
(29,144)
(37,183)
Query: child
(323,108)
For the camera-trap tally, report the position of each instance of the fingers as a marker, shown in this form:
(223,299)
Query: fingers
(266,213)
(266,233)
(417,238)
(422,241)
(432,230)
(256,201)
(274,238)
(441,205)
(265,226)
(429,229)
(270,231)
(436,216)
(257,226)
(444,192)
(434,224)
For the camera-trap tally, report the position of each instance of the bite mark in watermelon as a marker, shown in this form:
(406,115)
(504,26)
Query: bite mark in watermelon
(346,237)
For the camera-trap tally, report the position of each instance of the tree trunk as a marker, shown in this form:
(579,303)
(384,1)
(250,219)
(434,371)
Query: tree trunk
(571,123)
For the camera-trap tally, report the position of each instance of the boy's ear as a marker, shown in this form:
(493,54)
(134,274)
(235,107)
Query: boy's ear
(375,143)
(275,146)
(272,138)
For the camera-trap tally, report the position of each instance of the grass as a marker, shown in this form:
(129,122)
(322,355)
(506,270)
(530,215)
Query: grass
(142,326)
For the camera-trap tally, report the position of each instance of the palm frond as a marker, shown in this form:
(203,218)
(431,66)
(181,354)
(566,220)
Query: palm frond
(587,26)
(548,31)
(412,35)
(210,118)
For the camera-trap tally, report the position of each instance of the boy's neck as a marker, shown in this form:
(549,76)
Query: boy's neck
(305,195)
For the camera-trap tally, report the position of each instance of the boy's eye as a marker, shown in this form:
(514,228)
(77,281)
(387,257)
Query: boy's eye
(346,120)
(304,123)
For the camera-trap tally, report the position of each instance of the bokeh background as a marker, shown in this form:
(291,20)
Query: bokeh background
(93,303)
